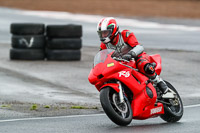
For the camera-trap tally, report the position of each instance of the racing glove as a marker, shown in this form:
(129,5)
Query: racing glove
(149,68)
(127,57)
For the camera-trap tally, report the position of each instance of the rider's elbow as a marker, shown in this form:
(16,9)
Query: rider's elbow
(137,50)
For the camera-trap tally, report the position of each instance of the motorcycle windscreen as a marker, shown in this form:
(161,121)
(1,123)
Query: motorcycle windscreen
(101,56)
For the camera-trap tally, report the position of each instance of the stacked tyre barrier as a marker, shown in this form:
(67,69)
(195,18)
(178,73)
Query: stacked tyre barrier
(63,42)
(28,41)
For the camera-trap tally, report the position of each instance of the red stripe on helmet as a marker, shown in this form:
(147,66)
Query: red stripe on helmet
(101,22)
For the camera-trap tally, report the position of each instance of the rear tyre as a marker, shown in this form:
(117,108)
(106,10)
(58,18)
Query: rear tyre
(27,29)
(28,41)
(64,43)
(26,54)
(173,113)
(63,55)
(119,113)
(64,31)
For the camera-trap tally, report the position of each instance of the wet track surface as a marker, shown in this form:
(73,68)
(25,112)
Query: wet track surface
(156,33)
(54,82)
(100,123)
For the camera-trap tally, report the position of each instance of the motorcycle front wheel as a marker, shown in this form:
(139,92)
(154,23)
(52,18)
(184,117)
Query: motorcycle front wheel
(119,113)
(173,112)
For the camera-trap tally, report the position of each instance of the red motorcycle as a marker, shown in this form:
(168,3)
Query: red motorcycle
(127,94)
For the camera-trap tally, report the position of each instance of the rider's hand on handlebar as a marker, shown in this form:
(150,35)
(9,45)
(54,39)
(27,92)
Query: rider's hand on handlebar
(127,57)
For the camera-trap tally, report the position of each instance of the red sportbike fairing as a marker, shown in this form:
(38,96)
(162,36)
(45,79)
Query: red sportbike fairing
(127,94)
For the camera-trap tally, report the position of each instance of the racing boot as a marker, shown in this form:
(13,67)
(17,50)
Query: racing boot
(160,84)
(149,68)
(166,92)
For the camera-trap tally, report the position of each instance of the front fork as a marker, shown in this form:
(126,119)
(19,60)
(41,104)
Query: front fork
(121,96)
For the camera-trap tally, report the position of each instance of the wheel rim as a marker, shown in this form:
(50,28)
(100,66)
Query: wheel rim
(176,106)
(120,108)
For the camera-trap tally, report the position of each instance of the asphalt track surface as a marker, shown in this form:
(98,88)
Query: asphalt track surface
(153,34)
(98,123)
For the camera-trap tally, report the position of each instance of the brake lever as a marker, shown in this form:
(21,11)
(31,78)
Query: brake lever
(129,67)
(118,59)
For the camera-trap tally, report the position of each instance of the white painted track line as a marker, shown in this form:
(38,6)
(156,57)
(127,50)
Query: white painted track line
(56,117)
(192,106)
(70,116)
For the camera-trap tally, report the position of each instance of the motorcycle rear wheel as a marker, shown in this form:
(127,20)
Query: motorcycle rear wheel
(173,113)
(120,113)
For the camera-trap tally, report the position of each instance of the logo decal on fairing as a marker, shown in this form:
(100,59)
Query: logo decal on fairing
(126,74)
(110,64)
(156,110)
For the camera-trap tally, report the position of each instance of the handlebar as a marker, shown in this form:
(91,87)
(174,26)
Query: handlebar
(120,59)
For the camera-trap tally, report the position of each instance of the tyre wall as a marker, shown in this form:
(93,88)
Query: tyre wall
(34,41)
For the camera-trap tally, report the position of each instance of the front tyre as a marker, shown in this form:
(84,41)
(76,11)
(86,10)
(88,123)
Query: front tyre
(119,113)
(173,112)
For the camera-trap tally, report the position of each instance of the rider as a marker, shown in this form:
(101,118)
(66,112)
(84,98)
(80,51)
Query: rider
(127,45)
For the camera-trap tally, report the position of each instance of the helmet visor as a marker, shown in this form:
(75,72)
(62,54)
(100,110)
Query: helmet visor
(105,33)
